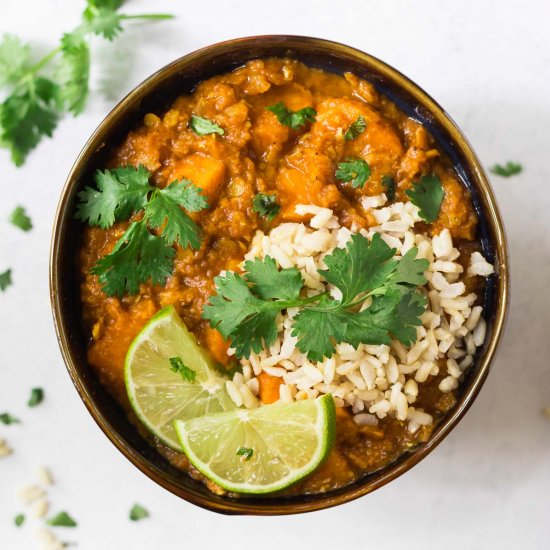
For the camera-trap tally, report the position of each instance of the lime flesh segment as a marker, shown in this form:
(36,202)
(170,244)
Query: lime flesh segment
(288,442)
(157,394)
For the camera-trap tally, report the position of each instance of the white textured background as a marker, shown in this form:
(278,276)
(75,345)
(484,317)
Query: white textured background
(488,485)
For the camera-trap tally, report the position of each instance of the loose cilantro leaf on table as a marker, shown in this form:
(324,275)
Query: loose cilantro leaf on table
(202,126)
(8,419)
(138,512)
(139,255)
(389,185)
(245,452)
(36,397)
(245,307)
(507,170)
(34,102)
(266,205)
(293,119)
(428,195)
(356,171)
(5,280)
(19,520)
(62,519)
(177,365)
(356,129)
(20,219)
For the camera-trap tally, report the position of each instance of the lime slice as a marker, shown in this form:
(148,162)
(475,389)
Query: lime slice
(159,395)
(260,450)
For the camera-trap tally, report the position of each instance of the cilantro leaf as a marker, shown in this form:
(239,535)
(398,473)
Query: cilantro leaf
(317,328)
(119,192)
(507,170)
(5,280)
(8,419)
(389,185)
(27,115)
(14,56)
(138,513)
(360,267)
(293,119)
(356,171)
(428,195)
(266,205)
(237,313)
(202,126)
(137,258)
(356,129)
(245,452)
(270,283)
(36,397)
(73,71)
(20,219)
(177,365)
(62,519)
(103,20)
(19,520)
(163,209)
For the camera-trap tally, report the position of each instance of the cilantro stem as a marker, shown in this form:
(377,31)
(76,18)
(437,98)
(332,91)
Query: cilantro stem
(156,16)
(285,304)
(36,67)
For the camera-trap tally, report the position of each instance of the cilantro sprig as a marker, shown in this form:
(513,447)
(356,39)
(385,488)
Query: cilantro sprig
(293,119)
(245,307)
(19,218)
(356,171)
(266,205)
(177,365)
(139,255)
(428,195)
(507,170)
(202,126)
(38,91)
(356,129)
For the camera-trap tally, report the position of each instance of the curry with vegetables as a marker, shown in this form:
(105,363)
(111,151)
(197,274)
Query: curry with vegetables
(184,195)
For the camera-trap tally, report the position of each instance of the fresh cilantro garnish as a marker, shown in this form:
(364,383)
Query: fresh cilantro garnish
(389,185)
(355,129)
(177,365)
(20,219)
(140,255)
(138,512)
(356,171)
(245,308)
(62,519)
(36,397)
(5,280)
(19,520)
(509,169)
(203,126)
(34,102)
(294,119)
(8,419)
(428,195)
(266,205)
(245,452)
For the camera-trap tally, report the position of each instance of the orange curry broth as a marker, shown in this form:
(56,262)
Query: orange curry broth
(258,154)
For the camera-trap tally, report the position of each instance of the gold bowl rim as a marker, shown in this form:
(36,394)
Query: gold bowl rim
(492,215)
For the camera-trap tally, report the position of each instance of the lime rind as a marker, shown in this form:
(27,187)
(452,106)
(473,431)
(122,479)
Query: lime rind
(287,445)
(158,395)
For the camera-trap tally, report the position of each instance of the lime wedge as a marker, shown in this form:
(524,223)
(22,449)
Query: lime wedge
(260,450)
(159,395)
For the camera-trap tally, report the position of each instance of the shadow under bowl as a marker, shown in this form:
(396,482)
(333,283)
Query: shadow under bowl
(155,95)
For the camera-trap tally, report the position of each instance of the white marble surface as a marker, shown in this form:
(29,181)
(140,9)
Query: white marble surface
(488,485)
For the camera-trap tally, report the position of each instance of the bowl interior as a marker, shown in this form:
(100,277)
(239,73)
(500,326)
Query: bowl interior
(155,95)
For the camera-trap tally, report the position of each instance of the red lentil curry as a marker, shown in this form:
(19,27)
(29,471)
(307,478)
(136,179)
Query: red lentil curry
(259,154)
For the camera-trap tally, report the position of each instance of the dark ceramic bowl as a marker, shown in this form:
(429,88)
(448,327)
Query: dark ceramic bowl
(156,94)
